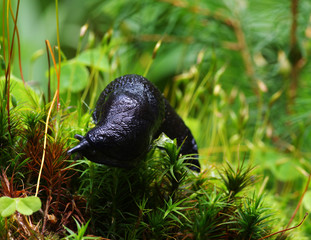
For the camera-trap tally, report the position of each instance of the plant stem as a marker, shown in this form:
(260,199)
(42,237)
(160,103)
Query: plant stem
(18,39)
(59,54)
(295,56)
(49,72)
(45,141)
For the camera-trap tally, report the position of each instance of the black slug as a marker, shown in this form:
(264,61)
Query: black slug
(130,113)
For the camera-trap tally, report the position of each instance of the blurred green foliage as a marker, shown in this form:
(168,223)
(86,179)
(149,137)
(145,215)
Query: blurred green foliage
(236,71)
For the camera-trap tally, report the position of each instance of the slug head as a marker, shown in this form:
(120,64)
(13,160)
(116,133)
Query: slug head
(111,148)
(84,148)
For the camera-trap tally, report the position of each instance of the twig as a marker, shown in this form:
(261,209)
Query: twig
(3,30)
(18,39)
(295,55)
(294,9)
(13,37)
(10,51)
(287,229)
(46,212)
(7,76)
(300,201)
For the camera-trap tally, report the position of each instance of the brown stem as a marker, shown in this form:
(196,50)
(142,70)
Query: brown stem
(49,69)
(287,229)
(7,75)
(59,182)
(3,30)
(6,227)
(13,37)
(233,23)
(300,201)
(18,39)
(298,206)
(46,212)
(246,56)
(295,55)
(198,10)
(294,8)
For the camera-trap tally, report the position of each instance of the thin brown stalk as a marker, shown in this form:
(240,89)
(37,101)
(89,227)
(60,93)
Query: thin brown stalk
(18,40)
(294,9)
(46,212)
(246,56)
(10,50)
(55,66)
(299,204)
(14,31)
(3,30)
(49,72)
(300,201)
(7,76)
(198,10)
(287,229)
(54,61)
(237,28)
(293,46)
(8,30)
(295,55)
(6,224)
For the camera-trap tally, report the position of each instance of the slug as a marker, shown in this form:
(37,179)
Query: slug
(129,114)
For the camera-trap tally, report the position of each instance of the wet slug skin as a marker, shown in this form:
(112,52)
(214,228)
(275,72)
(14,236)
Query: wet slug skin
(130,113)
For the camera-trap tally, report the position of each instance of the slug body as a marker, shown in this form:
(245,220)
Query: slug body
(130,113)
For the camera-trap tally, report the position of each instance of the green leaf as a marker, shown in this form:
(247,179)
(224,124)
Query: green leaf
(28,205)
(7,206)
(21,95)
(288,171)
(163,141)
(95,58)
(74,76)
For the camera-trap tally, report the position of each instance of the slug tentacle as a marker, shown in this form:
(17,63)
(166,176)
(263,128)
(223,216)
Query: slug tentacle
(81,147)
(129,114)
(79,137)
